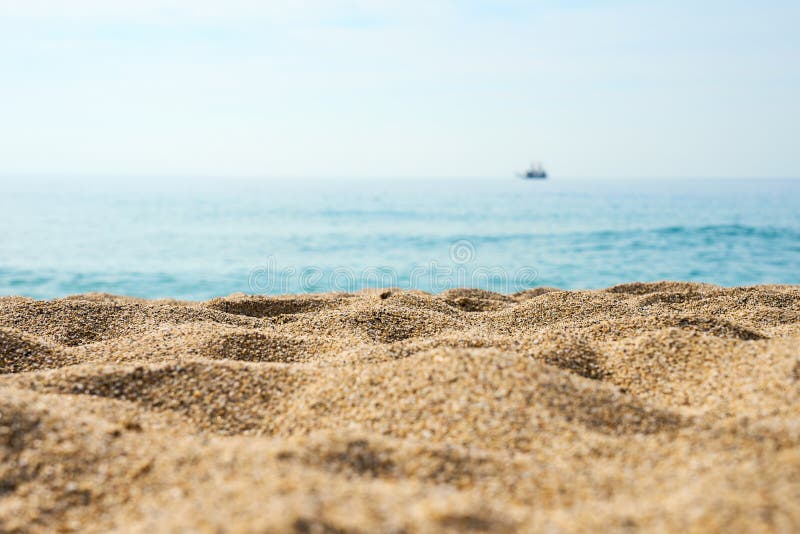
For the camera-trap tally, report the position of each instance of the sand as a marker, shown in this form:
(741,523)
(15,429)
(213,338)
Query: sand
(667,406)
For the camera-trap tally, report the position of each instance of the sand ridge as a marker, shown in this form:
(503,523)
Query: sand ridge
(671,406)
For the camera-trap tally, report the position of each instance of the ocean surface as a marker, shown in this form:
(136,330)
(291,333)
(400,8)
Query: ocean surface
(196,239)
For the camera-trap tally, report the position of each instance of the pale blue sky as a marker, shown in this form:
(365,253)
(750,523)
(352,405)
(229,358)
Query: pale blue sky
(400,88)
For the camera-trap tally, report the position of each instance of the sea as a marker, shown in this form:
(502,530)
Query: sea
(198,238)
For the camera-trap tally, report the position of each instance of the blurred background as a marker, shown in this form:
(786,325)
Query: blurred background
(168,148)
(202,238)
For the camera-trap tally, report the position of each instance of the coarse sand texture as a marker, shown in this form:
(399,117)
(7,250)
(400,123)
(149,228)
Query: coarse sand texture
(662,406)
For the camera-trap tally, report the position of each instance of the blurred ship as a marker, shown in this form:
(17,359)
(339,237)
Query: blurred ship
(536,171)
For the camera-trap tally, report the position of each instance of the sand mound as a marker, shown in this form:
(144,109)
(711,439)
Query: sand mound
(667,406)
(77,321)
(21,352)
(263,306)
(476,299)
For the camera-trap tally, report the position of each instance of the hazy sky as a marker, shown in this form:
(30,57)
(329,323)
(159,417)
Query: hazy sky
(395,88)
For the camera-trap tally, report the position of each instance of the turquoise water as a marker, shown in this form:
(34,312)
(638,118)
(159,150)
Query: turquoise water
(196,239)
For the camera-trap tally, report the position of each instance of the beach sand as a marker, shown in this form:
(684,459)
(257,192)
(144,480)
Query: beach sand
(666,406)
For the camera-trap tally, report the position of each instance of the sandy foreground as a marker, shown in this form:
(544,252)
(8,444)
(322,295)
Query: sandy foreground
(668,406)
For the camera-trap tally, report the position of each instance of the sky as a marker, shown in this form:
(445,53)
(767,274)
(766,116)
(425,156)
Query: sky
(400,88)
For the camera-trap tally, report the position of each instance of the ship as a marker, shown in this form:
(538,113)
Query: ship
(536,171)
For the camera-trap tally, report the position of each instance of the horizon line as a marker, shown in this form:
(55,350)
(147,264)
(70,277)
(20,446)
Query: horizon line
(119,175)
